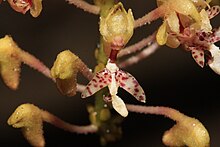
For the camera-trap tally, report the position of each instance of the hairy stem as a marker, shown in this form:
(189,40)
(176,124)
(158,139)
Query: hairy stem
(85,6)
(57,122)
(157,110)
(143,54)
(87,72)
(35,63)
(137,46)
(151,16)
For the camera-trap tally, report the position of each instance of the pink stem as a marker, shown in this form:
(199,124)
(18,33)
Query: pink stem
(87,72)
(57,122)
(143,54)
(157,110)
(85,6)
(137,46)
(151,16)
(35,63)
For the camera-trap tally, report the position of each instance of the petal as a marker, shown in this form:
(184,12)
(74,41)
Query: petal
(172,41)
(198,56)
(213,11)
(205,22)
(119,105)
(131,85)
(99,81)
(162,34)
(173,22)
(185,7)
(215,64)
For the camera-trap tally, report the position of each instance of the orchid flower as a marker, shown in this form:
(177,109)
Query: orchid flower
(22,6)
(174,9)
(190,26)
(116,29)
(113,77)
(199,38)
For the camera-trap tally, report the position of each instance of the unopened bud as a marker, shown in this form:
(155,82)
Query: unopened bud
(117,27)
(65,71)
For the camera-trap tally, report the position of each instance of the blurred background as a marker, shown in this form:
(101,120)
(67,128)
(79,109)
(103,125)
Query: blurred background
(170,77)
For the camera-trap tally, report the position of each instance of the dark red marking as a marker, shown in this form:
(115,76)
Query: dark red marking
(113,56)
(94,80)
(89,90)
(136,90)
(122,84)
(124,78)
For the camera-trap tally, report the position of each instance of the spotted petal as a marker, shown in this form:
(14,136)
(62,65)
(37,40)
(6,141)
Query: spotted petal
(131,85)
(119,105)
(99,81)
(198,56)
(213,11)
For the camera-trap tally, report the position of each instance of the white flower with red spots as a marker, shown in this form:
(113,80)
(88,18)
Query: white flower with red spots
(113,77)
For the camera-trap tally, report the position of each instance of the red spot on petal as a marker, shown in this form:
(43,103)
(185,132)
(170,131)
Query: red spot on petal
(94,80)
(122,84)
(136,90)
(89,90)
(201,62)
(141,98)
(124,78)
(101,86)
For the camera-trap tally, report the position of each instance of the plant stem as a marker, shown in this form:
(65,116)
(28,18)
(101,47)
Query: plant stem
(85,6)
(143,54)
(151,16)
(157,110)
(87,72)
(57,122)
(35,63)
(137,46)
(101,58)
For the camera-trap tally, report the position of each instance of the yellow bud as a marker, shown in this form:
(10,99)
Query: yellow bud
(92,118)
(10,62)
(65,71)
(28,118)
(188,132)
(117,27)
(105,114)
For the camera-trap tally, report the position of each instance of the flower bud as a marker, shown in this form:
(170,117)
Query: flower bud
(28,118)
(65,71)
(117,27)
(188,132)
(22,6)
(10,62)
